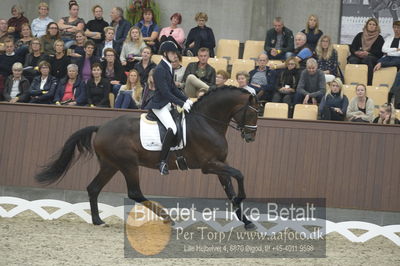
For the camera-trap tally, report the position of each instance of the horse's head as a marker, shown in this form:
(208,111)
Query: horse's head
(246,118)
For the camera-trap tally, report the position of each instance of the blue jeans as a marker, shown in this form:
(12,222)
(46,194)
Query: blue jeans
(125,101)
(389,61)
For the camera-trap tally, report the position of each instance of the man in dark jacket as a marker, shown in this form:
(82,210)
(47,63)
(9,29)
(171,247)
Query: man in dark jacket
(263,79)
(199,75)
(120,24)
(165,95)
(279,43)
(16,86)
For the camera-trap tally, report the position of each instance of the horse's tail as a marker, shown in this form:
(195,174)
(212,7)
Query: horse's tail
(59,166)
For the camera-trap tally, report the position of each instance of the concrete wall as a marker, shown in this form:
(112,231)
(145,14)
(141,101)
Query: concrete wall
(230,19)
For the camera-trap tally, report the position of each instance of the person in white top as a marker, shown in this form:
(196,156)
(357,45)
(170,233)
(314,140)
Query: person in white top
(391,48)
(39,24)
(242,79)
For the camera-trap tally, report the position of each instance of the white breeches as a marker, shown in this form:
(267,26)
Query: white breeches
(165,117)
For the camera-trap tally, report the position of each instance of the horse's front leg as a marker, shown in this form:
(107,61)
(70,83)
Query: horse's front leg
(224,173)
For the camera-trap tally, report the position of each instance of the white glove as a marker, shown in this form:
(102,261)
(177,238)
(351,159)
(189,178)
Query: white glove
(187,105)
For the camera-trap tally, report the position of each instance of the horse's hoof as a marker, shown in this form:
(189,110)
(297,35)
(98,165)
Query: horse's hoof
(104,225)
(99,222)
(250,227)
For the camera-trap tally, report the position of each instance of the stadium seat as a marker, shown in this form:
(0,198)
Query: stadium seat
(384,77)
(188,59)
(343,52)
(232,82)
(378,94)
(111,98)
(156,58)
(228,49)
(305,112)
(241,65)
(349,91)
(276,110)
(218,63)
(397,113)
(356,74)
(252,49)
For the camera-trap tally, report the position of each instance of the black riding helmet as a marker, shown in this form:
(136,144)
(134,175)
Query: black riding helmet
(168,46)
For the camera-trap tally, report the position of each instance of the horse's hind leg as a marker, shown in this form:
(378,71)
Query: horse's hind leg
(104,175)
(131,174)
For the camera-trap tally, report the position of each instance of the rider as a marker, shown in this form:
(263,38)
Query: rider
(166,93)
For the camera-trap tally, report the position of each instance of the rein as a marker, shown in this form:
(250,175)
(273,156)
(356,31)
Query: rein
(236,125)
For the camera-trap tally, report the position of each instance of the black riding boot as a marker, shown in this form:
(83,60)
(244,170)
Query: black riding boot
(166,145)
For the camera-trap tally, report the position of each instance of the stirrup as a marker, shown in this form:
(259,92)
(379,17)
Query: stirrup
(164,168)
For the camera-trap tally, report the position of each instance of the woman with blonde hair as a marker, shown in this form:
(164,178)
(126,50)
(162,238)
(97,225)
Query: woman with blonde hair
(200,36)
(334,104)
(361,108)
(287,82)
(327,58)
(131,49)
(312,31)
(366,47)
(387,115)
(130,95)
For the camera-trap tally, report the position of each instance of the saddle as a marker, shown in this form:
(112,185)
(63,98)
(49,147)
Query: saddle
(177,117)
(179,137)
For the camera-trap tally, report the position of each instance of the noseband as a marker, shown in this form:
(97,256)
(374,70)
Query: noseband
(241,125)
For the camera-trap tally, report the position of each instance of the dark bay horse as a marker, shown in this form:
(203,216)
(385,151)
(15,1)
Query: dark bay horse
(118,148)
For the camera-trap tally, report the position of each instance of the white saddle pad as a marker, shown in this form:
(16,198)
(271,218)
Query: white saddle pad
(150,135)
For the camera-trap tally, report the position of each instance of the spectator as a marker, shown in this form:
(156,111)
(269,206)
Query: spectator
(3,33)
(108,42)
(311,86)
(52,34)
(302,51)
(262,78)
(33,58)
(279,41)
(71,90)
(173,33)
(59,61)
(149,29)
(8,59)
(200,36)
(95,28)
(327,58)
(85,62)
(199,75)
(121,25)
(334,104)
(77,50)
(148,92)
(98,88)
(131,49)
(361,108)
(220,79)
(287,82)
(16,86)
(395,91)
(113,70)
(39,25)
(179,72)
(242,78)
(25,40)
(130,95)
(144,66)
(391,49)
(312,31)
(43,87)
(71,24)
(366,47)
(16,21)
(387,115)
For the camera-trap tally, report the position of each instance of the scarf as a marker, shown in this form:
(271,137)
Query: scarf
(368,39)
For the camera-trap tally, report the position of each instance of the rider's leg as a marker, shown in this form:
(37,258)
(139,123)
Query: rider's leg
(166,119)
